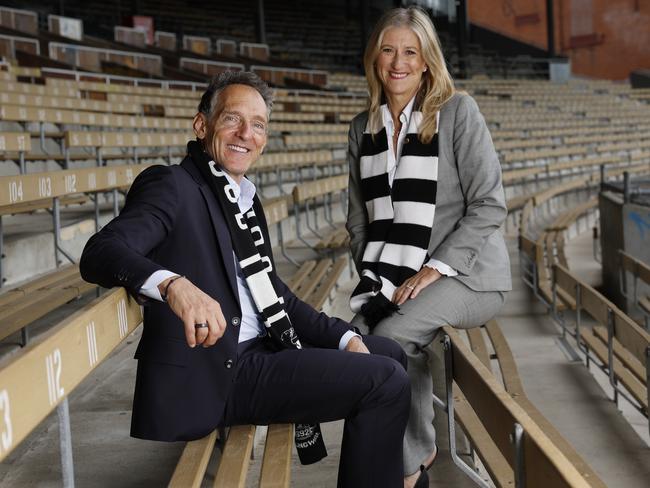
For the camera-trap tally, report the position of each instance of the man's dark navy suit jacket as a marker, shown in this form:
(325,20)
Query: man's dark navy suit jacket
(171,220)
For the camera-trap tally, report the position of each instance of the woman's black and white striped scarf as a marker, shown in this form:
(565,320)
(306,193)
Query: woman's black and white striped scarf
(249,246)
(399,218)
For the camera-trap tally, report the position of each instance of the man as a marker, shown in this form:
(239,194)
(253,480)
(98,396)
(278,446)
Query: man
(192,244)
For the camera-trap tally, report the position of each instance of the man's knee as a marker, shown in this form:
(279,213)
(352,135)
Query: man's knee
(385,346)
(393,386)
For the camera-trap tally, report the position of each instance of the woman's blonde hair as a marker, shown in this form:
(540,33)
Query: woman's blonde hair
(437,86)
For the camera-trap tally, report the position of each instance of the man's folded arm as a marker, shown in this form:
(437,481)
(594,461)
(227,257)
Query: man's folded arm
(117,254)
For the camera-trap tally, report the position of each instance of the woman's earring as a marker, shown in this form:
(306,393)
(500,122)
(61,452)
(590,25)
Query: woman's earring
(424,70)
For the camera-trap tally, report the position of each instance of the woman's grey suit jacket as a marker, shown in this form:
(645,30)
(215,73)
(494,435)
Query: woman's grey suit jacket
(470,203)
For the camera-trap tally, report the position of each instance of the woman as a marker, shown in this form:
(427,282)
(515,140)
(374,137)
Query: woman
(426,204)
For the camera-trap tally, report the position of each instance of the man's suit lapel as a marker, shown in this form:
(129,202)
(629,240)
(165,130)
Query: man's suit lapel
(219,225)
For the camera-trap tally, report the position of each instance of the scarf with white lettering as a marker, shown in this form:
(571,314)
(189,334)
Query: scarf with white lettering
(249,246)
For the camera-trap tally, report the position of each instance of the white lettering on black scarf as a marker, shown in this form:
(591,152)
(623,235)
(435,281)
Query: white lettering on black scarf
(249,246)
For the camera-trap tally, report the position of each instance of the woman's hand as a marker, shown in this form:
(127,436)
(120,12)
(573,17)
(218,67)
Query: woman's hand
(415,284)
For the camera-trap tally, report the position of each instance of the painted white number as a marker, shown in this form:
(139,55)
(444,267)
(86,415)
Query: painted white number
(129,175)
(91,335)
(122,323)
(112,178)
(6,438)
(45,187)
(92,181)
(70,183)
(15,191)
(53,367)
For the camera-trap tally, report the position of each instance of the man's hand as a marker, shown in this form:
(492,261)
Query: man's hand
(415,284)
(356,345)
(193,306)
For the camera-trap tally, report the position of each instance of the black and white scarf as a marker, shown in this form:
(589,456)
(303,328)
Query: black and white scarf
(400,218)
(249,246)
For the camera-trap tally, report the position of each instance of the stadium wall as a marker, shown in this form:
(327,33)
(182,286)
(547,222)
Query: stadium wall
(604,38)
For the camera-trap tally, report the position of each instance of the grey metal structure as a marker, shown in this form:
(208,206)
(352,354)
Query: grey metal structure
(65,442)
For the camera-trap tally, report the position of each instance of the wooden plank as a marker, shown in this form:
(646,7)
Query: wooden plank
(565,281)
(515,388)
(233,466)
(546,465)
(636,389)
(478,345)
(528,247)
(594,303)
(126,139)
(15,141)
(42,204)
(627,358)
(334,240)
(318,298)
(559,248)
(64,272)
(299,276)
(507,363)
(627,262)
(631,336)
(276,464)
(317,188)
(57,361)
(635,266)
(566,299)
(496,465)
(19,113)
(32,298)
(30,187)
(193,462)
(561,443)
(276,211)
(43,302)
(342,239)
(309,285)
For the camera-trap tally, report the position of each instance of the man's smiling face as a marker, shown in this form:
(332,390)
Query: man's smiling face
(236,132)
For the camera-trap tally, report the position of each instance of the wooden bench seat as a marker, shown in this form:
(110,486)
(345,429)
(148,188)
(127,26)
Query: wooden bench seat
(307,196)
(630,362)
(18,310)
(321,293)
(621,373)
(44,204)
(193,462)
(614,331)
(56,362)
(514,386)
(337,239)
(499,413)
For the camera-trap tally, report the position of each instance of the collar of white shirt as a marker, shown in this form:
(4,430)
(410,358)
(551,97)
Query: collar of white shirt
(404,117)
(244,192)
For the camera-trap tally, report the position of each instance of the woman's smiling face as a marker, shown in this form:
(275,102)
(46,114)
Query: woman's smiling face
(400,63)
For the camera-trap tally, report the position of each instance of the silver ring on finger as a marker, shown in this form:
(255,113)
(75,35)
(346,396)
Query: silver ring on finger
(410,287)
(201,325)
